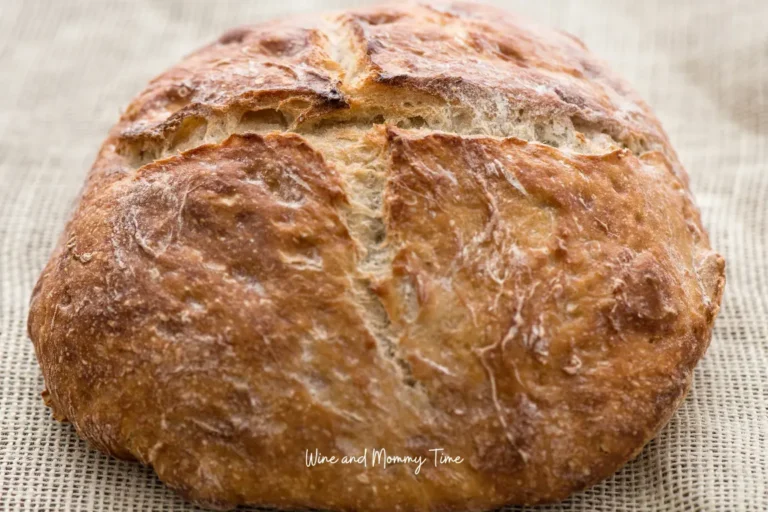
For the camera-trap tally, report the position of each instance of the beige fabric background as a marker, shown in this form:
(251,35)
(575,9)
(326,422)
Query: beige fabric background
(66,67)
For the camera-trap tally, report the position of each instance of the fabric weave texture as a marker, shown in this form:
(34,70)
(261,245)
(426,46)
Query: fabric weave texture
(66,68)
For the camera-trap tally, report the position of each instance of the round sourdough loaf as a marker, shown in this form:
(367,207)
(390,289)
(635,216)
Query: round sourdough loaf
(404,228)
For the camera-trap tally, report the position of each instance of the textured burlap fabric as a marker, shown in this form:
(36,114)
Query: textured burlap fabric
(67,66)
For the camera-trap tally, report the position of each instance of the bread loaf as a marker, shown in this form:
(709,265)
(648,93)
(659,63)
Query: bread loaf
(385,232)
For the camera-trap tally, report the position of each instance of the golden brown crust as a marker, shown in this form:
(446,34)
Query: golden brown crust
(401,227)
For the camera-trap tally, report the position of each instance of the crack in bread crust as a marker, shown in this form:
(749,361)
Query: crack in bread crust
(401,227)
(349,84)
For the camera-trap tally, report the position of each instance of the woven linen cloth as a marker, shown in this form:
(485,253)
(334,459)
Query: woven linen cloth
(66,67)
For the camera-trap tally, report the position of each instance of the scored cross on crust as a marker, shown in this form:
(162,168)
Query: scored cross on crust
(403,228)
